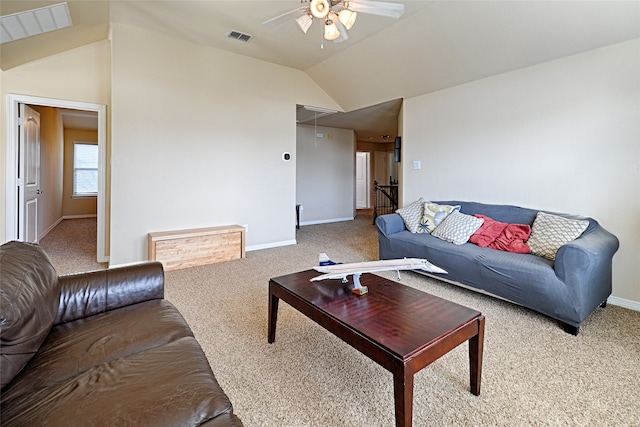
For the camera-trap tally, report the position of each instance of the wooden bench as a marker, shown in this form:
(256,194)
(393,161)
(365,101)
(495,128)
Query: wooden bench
(197,246)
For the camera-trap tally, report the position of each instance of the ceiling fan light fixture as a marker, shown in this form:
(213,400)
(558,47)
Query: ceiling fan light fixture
(320,8)
(331,32)
(347,17)
(304,22)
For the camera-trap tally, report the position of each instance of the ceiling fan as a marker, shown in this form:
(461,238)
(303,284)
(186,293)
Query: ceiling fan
(338,16)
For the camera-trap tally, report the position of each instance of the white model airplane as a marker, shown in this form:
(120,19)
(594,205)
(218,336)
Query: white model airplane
(334,270)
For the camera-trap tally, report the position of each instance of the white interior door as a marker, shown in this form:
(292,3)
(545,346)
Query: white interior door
(28,174)
(381,168)
(362,180)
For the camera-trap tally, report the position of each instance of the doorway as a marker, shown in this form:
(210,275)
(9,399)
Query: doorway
(363,173)
(13,211)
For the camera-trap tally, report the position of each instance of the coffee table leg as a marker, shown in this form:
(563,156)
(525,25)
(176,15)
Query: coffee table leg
(476,345)
(403,393)
(273,317)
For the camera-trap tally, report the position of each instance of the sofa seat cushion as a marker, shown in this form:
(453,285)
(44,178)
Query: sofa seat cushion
(28,304)
(83,344)
(132,366)
(521,278)
(167,385)
(224,420)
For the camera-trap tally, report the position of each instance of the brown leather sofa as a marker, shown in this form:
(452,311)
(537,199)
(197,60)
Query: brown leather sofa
(102,348)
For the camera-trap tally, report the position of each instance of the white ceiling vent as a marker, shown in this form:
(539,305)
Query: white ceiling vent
(33,22)
(237,35)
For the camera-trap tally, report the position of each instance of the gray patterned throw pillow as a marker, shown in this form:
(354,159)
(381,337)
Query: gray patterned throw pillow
(549,232)
(412,214)
(457,227)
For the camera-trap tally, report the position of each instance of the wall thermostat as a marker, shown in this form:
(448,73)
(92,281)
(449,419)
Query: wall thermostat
(286,157)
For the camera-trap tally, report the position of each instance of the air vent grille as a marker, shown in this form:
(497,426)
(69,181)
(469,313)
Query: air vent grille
(237,35)
(33,22)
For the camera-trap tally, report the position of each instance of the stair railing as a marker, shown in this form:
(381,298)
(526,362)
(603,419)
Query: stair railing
(385,199)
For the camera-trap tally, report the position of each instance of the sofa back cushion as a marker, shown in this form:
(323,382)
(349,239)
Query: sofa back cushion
(28,304)
(503,213)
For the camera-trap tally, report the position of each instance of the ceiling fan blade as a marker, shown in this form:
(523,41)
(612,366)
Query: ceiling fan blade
(392,10)
(285,17)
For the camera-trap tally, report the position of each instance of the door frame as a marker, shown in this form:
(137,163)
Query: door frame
(11,203)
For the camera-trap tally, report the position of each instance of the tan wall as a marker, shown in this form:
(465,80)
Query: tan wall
(325,174)
(82,74)
(198,137)
(81,206)
(560,136)
(51,161)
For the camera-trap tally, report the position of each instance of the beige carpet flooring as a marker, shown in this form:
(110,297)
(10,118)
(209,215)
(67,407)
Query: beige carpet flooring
(534,373)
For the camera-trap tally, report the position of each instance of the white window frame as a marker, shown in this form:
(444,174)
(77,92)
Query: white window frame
(77,195)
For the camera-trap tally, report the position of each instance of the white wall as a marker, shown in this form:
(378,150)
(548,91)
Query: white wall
(561,136)
(198,137)
(325,174)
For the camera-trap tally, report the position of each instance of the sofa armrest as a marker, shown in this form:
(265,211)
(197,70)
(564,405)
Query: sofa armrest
(94,292)
(590,256)
(390,224)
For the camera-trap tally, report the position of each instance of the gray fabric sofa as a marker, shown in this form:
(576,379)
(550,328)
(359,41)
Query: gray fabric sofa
(568,289)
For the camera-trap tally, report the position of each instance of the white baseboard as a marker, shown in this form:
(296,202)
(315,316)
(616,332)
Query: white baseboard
(625,303)
(326,221)
(270,245)
(55,224)
(48,230)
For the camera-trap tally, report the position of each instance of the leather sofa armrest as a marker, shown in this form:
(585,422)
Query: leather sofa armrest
(390,224)
(94,292)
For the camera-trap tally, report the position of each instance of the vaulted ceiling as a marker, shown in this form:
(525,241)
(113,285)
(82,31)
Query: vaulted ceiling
(434,45)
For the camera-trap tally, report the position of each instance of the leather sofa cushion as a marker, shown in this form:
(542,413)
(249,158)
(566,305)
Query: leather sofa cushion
(137,365)
(28,304)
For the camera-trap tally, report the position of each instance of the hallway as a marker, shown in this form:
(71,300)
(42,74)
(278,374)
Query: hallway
(71,245)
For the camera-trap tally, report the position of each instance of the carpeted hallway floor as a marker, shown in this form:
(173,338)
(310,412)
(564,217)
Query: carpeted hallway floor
(534,373)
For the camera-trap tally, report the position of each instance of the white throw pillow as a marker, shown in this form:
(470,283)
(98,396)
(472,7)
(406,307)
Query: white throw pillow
(433,215)
(549,232)
(411,214)
(457,227)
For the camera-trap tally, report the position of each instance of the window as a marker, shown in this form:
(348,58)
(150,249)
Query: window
(85,169)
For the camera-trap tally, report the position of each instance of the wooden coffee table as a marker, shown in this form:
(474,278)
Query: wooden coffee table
(401,328)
